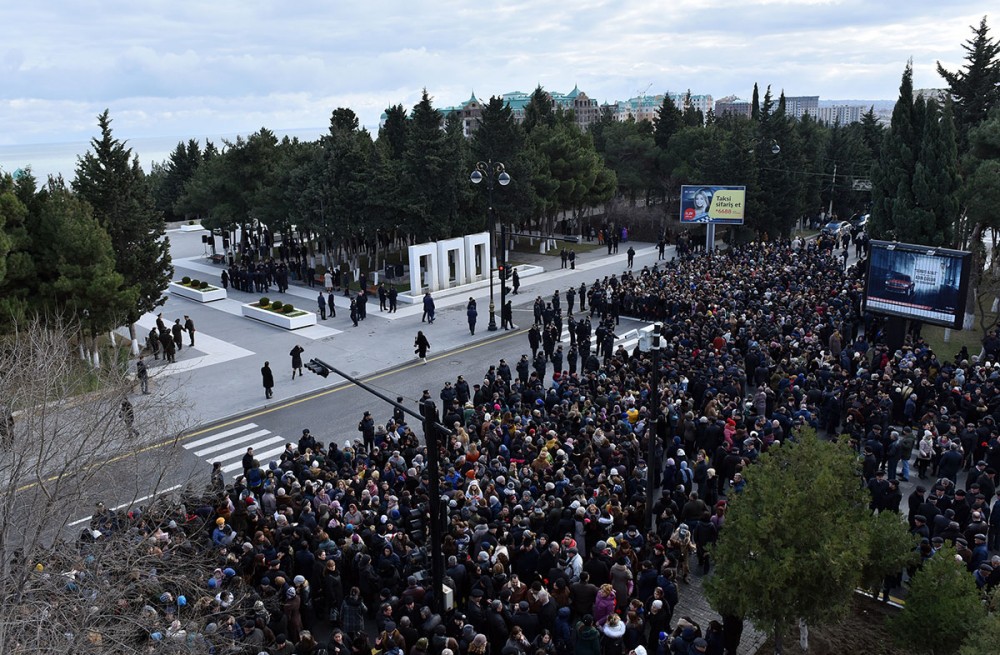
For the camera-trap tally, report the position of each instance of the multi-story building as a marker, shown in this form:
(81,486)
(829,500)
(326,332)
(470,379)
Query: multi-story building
(645,107)
(585,109)
(798,106)
(842,114)
(700,102)
(641,108)
(733,106)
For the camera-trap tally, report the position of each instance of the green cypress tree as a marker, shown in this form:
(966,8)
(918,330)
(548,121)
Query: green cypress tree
(795,539)
(667,122)
(112,182)
(892,198)
(942,606)
(976,88)
(431,174)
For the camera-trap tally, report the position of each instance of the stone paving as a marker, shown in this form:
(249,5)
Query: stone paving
(692,603)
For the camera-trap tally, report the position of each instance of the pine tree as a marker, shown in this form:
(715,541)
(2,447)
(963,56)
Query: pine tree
(498,137)
(872,132)
(755,104)
(393,131)
(538,111)
(942,606)
(892,197)
(668,121)
(775,562)
(975,89)
(431,174)
(114,185)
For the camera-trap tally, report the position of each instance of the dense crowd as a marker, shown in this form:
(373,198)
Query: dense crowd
(547,545)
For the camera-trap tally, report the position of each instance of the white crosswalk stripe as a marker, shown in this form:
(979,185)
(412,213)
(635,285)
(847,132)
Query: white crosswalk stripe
(629,339)
(229,446)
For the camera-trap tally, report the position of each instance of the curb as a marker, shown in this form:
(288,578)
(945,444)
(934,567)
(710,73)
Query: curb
(306,394)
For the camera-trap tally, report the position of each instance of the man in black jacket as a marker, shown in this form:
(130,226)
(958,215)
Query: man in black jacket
(366,426)
(527,620)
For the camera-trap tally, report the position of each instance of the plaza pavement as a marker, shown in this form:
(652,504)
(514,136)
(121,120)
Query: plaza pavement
(220,376)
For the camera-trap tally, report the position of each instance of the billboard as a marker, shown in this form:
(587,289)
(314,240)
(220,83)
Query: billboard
(723,205)
(918,282)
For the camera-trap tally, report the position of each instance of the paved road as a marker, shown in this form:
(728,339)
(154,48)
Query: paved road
(217,403)
(332,413)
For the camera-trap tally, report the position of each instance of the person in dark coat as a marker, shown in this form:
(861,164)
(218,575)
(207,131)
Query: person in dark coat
(321,304)
(428,308)
(472,314)
(268,377)
(189,328)
(528,621)
(296,355)
(178,331)
(421,345)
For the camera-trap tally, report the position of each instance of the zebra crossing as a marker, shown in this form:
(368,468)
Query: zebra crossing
(628,339)
(229,446)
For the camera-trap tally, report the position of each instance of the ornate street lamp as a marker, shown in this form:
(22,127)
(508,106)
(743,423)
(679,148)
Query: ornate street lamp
(493,172)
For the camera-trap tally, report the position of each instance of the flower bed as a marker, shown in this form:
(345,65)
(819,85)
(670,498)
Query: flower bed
(199,292)
(267,313)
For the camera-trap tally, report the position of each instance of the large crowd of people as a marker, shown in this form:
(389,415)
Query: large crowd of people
(548,547)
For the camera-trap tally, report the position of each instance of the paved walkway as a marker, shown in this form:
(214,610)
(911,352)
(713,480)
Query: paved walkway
(220,376)
(692,603)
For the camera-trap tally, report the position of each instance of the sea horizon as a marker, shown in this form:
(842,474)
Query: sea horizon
(60,158)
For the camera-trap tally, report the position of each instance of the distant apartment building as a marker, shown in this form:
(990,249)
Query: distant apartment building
(798,106)
(645,107)
(732,106)
(842,114)
(586,110)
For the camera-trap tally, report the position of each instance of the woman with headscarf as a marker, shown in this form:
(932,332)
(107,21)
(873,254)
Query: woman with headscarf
(479,646)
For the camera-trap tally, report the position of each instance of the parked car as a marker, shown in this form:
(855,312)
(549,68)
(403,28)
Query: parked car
(896,282)
(860,222)
(836,229)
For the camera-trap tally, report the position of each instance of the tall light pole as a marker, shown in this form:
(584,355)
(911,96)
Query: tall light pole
(493,172)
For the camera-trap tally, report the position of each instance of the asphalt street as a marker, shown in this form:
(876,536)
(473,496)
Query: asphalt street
(215,393)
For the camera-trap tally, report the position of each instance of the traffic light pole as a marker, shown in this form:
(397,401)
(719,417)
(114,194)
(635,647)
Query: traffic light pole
(432,432)
(504,273)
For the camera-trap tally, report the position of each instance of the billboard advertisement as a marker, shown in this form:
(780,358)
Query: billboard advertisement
(722,205)
(918,282)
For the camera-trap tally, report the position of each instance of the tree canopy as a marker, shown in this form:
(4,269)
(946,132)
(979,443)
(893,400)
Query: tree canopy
(799,536)
(111,181)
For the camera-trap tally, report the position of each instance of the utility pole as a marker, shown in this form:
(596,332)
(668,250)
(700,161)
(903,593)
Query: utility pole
(433,430)
(833,185)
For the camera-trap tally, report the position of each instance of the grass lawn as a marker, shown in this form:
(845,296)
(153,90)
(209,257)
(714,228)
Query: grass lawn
(971,339)
(525,246)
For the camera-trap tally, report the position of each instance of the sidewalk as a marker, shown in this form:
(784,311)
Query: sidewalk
(691,602)
(220,376)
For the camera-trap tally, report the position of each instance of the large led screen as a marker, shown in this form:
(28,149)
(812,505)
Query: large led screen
(723,205)
(918,282)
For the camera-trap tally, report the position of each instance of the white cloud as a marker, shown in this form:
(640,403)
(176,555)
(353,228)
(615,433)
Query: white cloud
(184,69)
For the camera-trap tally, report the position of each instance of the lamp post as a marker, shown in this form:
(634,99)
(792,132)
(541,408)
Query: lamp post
(492,172)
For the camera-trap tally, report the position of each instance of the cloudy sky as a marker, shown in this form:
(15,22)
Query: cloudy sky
(191,69)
